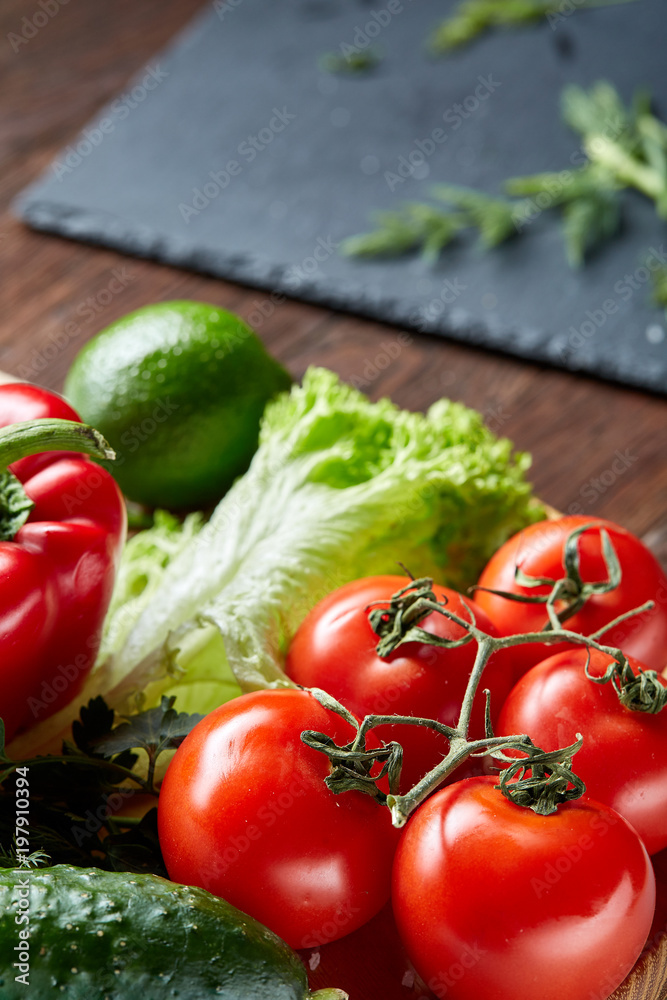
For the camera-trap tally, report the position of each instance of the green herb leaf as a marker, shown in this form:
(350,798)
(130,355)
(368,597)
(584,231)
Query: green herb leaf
(354,61)
(588,222)
(558,188)
(626,147)
(495,218)
(659,278)
(412,227)
(599,110)
(422,226)
(75,796)
(154,730)
(95,722)
(473,18)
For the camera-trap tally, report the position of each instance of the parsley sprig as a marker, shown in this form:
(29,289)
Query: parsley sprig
(78,797)
(473,18)
(621,148)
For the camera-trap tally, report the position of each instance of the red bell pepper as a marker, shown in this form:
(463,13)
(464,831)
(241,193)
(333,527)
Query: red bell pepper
(62,529)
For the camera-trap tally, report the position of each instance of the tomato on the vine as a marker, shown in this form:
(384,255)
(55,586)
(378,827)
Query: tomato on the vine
(335,649)
(244,812)
(538,552)
(623,760)
(494,901)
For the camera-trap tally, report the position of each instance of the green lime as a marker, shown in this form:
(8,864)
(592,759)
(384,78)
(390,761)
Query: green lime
(178,390)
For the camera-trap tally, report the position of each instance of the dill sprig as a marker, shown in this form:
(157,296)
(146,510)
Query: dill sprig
(411,227)
(624,148)
(473,18)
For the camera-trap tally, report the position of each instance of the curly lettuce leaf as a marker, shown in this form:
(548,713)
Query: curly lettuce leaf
(339,488)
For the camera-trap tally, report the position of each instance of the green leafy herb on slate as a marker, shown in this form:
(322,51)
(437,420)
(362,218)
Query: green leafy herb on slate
(77,797)
(408,228)
(351,61)
(659,278)
(473,18)
(622,148)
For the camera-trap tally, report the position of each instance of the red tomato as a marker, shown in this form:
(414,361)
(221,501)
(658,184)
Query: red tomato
(244,812)
(538,551)
(493,901)
(334,649)
(623,761)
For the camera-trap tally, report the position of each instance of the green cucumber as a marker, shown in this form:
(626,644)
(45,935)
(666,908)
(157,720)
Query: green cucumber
(97,935)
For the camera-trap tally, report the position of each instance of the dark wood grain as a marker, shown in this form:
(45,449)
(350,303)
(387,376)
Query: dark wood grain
(598,448)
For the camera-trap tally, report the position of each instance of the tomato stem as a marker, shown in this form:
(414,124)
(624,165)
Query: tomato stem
(571,590)
(641,692)
(540,780)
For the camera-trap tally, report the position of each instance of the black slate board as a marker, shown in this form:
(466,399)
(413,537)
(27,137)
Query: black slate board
(244,67)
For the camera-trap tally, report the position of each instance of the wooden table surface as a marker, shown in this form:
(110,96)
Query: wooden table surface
(598,448)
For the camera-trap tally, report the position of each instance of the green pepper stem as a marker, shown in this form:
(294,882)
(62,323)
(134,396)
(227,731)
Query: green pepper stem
(49,434)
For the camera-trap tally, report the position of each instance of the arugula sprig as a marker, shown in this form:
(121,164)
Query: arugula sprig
(77,798)
(623,147)
(473,18)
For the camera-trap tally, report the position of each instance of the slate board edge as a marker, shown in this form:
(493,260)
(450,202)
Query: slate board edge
(85,226)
